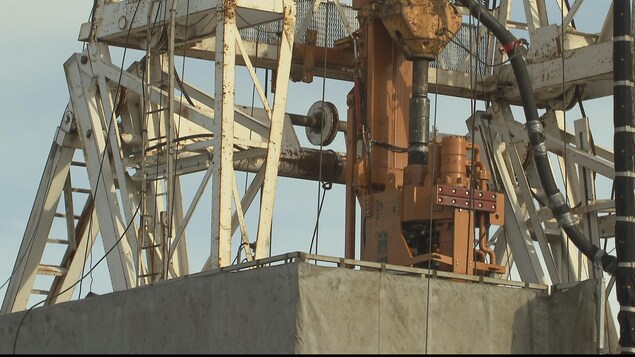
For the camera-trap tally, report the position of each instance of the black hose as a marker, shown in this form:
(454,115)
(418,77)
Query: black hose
(557,203)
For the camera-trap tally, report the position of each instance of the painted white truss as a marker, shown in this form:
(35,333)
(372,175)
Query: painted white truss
(137,135)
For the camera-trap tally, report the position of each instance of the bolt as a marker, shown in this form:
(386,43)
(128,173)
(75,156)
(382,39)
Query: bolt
(89,133)
(122,22)
(83,59)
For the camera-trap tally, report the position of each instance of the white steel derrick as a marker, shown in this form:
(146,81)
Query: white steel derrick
(104,120)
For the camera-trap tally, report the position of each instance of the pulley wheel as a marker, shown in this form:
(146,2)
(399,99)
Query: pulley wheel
(325,113)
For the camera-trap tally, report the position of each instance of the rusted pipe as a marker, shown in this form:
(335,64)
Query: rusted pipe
(481,255)
(481,178)
(482,232)
(302,164)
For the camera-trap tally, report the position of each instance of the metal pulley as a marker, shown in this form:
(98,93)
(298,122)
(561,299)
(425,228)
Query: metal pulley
(326,123)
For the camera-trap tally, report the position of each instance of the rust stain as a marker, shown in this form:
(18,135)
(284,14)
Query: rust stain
(96,22)
(229,10)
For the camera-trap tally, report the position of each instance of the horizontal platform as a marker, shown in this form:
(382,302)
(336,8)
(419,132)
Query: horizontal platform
(288,304)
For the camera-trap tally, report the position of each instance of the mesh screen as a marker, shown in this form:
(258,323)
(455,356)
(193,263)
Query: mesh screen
(327,20)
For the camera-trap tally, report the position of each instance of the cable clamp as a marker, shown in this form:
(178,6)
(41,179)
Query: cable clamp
(623,83)
(626,264)
(627,308)
(625,174)
(625,129)
(626,38)
(629,219)
(508,47)
(628,349)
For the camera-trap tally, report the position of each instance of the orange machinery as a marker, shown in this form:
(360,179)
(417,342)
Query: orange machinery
(420,200)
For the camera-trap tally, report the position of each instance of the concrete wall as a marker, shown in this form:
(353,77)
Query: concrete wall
(249,312)
(305,308)
(343,311)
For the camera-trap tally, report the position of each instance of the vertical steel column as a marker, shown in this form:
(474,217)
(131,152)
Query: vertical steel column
(223,129)
(624,172)
(351,157)
(170,134)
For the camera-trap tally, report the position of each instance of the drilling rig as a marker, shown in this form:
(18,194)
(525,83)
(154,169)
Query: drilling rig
(420,199)
(480,210)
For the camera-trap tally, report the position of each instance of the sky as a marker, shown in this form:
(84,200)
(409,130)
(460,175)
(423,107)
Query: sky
(37,37)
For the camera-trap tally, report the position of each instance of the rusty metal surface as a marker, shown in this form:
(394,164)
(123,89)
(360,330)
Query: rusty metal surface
(421,27)
(386,83)
(51,270)
(461,197)
(309,58)
(454,162)
(303,164)
(383,241)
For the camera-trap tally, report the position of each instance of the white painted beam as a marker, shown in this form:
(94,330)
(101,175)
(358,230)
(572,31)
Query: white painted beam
(223,129)
(263,241)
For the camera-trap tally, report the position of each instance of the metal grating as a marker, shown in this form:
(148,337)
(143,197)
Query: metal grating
(454,57)
(268,33)
(336,28)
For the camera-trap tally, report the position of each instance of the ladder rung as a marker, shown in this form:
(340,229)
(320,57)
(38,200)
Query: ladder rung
(56,241)
(80,190)
(39,292)
(77,163)
(44,269)
(156,110)
(151,246)
(148,275)
(158,138)
(62,215)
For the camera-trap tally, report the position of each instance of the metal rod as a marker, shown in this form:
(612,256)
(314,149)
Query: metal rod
(170,132)
(419,114)
(312,122)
